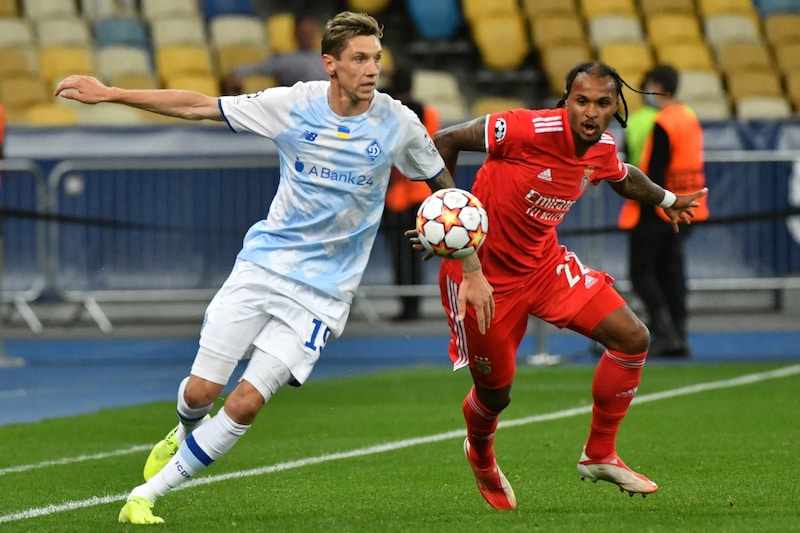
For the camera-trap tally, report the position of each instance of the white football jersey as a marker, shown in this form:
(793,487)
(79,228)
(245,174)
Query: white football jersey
(334,172)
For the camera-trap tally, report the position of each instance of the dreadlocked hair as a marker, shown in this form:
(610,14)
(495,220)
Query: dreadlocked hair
(600,70)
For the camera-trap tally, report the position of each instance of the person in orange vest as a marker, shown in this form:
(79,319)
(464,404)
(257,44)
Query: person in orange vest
(404,197)
(673,157)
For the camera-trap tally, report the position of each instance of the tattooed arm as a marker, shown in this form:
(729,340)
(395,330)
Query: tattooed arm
(467,136)
(637,186)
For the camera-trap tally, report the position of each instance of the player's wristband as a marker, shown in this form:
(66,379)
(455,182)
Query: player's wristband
(669,199)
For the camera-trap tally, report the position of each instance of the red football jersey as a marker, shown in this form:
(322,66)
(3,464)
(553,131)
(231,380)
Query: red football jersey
(528,183)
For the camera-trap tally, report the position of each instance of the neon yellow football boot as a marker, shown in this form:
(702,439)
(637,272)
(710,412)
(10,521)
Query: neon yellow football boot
(139,510)
(163,452)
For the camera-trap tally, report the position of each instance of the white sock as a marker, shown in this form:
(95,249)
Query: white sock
(189,418)
(204,446)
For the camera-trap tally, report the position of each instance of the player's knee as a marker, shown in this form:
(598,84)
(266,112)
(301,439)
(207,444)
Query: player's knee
(244,403)
(638,338)
(200,392)
(494,399)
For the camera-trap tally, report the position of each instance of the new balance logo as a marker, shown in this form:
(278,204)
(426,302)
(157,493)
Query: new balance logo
(309,136)
(589,281)
(545,175)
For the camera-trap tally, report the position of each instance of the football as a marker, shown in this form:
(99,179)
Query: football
(452,223)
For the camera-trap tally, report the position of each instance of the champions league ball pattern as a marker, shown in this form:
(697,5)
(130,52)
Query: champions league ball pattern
(452,223)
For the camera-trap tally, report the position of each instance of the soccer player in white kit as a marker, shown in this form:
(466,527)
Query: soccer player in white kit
(293,282)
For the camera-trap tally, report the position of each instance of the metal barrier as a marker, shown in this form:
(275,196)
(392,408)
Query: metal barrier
(168,229)
(24,254)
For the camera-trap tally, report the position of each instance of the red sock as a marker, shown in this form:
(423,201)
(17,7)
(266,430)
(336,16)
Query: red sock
(613,388)
(481,426)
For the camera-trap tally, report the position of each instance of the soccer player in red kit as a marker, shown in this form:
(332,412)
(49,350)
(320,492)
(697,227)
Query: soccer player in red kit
(538,164)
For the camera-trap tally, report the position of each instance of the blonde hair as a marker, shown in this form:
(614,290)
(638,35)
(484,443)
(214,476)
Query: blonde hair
(340,29)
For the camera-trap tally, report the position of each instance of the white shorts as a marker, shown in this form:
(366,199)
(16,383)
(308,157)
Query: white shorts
(284,318)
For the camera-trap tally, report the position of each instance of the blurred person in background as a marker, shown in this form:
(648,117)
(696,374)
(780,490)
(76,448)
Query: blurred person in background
(672,155)
(404,197)
(302,64)
(294,280)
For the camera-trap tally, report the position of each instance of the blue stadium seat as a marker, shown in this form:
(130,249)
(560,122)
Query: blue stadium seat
(212,8)
(771,7)
(435,19)
(121,31)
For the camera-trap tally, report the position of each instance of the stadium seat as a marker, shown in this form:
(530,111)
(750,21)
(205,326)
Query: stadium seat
(662,28)
(16,32)
(121,31)
(42,9)
(558,60)
(113,61)
(753,83)
(707,8)
(368,6)
(787,57)
(440,88)
(435,19)
(9,8)
(710,109)
(137,81)
(23,91)
(279,30)
(156,9)
(57,62)
(650,7)
(502,41)
(743,55)
(110,115)
(63,31)
(231,56)
(475,10)
(772,7)
(604,29)
(686,56)
(228,30)
(534,8)
(627,56)
(202,83)
(700,85)
(16,61)
(256,82)
(763,107)
(175,30)
(596,8)
(557,28)
(486,105)
(782,28)
(50,114)
(793,89)
(723,29)
(94,10)
(182,59)
(213,8)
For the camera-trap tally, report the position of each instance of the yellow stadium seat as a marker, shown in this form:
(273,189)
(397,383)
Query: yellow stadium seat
(201,83)
(743,55)
(57,62)
(494,104)
(649,7)
(22,92)
(534,8)
(502,41)
(183,59)
(234,55)
(367,6)
(135,81)
(762,82)
(763,107)
(787,57)
(662,28)
(9,8)
(628,57)
(723,29)
(256,82)
(782,28)
(793,89)
(15,61)
(50,114)
(475,10)
(708,8)
(686,56)
(596,8)
(280,33)
(557,28)
(558,60)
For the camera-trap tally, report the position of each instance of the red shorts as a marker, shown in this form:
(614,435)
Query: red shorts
(557,293)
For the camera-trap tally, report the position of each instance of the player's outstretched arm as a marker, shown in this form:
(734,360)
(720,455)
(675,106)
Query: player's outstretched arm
(466,136)
(678,207)
(183,104)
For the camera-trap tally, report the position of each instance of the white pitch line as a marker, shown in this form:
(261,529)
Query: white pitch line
(380,448)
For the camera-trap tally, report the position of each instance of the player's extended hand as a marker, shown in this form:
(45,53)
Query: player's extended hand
(475,290)
(681,211)
(413,236)
(85,89)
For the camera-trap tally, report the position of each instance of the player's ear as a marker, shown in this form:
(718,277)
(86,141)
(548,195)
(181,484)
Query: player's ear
(329,64)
